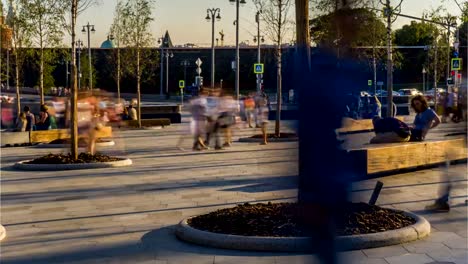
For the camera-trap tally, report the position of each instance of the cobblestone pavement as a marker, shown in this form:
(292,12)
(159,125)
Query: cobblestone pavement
(127,215)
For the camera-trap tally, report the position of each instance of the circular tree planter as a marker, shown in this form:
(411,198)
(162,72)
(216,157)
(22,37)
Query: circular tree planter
(62,162)
(417,230)
(284,137)
(65,143)
(2,232)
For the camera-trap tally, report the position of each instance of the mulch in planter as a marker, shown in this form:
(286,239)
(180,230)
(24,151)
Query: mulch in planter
(66,159)
(273,135)
(282,220)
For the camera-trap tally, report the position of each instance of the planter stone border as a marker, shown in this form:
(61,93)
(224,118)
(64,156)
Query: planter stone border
(108,143)
(413,232)
(23,165)
(272,140)
(2,232)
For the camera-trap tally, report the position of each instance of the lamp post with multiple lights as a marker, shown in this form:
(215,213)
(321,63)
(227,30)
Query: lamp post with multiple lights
(89,29)
(210,16)
(79,46)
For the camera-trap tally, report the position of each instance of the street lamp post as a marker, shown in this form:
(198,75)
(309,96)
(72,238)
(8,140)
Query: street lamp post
(185,64)
(168,54)
(258,39)
(89,29)
(424,80)
(237,2)
(210,16)
(162,42)
(79,45)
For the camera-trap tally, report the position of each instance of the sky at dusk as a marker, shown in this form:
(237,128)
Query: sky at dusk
(185,19)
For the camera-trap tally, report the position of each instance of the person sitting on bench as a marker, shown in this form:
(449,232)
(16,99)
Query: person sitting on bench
(425,118)
(389,130)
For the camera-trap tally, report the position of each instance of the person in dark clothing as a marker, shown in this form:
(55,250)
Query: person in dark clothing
(30,119)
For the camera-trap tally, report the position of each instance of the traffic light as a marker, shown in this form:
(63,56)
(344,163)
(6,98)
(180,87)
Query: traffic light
(450,81)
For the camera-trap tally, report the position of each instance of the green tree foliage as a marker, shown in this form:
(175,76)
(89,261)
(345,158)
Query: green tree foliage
(46,19)
(329,6)
(17,21)
(353,27)
(136,16)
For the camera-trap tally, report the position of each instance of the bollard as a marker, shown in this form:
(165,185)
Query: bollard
(376,192)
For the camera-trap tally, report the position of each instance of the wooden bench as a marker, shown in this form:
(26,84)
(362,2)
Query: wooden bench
(44,136)
(148,122)
(384,158)
(353,126)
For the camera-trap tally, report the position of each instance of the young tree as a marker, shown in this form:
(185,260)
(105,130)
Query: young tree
(46,19)
(20,40)
(275,14)
(136,18)
(75,7)
(116,32)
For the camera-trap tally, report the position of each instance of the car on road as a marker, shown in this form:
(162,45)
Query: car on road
(384,94)
(410,92)
(431,91)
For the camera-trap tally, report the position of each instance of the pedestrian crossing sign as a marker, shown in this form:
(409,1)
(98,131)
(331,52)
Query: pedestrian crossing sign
(456,64)
(258,68)
(181,84)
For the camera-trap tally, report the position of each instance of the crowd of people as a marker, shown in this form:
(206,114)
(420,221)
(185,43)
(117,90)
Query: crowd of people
(214,113)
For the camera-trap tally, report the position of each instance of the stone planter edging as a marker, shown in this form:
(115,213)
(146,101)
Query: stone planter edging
(23,165)
(413,232)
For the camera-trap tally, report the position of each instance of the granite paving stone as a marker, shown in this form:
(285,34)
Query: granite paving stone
(128,215)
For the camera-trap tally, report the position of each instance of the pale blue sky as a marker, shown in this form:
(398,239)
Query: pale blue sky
(185,19)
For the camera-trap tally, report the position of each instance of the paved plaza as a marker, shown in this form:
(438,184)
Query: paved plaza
(128,215)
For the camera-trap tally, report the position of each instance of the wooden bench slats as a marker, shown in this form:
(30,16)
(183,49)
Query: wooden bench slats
(393,157)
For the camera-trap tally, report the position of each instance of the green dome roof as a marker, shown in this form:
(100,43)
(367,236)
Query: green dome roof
(108,44)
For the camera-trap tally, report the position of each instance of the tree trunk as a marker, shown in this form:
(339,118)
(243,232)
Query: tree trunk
(18,100)
(74,87)
(118,74)
(138,88)
(278,67)
(279,94)
(41,75)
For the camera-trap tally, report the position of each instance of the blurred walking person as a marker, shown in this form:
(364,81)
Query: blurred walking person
(249,106)
(197,122)
(212,115)
(262,116)
(228,108)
